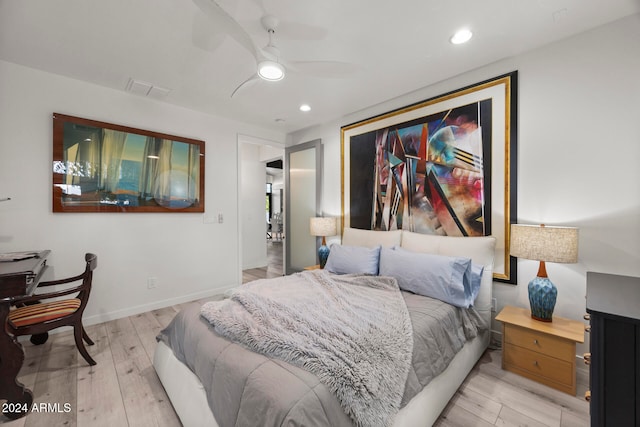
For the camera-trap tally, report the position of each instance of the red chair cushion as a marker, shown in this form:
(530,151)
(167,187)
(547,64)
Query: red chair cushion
(39,313)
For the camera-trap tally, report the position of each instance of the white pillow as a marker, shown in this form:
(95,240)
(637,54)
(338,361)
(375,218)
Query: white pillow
(448,279)
(353,259)
(371,238)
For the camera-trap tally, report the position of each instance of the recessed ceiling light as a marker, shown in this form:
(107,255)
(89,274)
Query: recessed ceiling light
(461,36)
(305,107)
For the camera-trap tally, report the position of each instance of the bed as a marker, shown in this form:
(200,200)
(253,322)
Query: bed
(191,398)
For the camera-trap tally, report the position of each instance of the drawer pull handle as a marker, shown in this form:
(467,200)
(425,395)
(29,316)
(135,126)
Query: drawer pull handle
(535,363)
(587,329)
(535,342)
(587,395)
(587,358)
(587,317)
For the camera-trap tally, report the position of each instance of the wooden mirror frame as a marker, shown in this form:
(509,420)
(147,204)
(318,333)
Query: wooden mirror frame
(122,169)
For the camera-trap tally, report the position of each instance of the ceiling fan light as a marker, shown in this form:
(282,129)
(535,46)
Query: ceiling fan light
(270,70)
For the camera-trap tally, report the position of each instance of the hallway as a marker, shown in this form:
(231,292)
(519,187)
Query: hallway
(274,266)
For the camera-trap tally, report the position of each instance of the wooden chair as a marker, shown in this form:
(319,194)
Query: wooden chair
(34,319)
(276,226)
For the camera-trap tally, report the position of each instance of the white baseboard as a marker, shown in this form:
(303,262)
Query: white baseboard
(131,311)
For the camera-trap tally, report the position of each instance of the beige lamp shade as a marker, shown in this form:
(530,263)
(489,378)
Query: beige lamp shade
(323,227)
(544,243)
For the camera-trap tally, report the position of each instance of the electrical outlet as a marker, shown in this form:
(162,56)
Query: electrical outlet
(152,282)
(494,305)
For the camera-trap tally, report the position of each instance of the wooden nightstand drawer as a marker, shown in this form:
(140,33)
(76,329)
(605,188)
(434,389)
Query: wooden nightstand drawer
(542,351)
(540,342)
(538,364)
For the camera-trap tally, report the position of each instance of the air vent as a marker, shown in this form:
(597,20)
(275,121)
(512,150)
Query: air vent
(142,88)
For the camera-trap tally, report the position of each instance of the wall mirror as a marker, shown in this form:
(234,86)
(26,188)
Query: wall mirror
(303,186)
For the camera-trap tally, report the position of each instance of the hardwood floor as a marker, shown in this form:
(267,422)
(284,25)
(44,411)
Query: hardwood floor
(274,266)
(493,397)
(123,388)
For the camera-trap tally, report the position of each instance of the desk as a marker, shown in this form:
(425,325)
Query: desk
(17,279)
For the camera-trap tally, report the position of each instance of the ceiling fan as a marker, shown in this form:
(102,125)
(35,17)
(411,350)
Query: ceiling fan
(270,66)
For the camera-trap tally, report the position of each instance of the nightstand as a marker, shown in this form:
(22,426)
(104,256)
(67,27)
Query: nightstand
(313,267)
(542,351)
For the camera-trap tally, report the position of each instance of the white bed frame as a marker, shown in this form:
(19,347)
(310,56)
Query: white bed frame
(188,396)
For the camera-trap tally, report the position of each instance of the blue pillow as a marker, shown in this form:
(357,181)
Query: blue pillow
(435,276)
(353,259)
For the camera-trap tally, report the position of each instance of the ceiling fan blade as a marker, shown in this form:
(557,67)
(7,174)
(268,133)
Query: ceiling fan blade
(247,83)
(219,17)
(324,69)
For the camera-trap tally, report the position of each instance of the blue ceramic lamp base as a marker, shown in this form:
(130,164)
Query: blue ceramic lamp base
(323,253)
(542,298)
(542,295)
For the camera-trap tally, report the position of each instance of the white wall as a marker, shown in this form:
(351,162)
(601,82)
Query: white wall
(579,107)
(188,257)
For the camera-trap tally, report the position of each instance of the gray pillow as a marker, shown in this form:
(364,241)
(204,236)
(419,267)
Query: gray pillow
(353,259)
(448,279)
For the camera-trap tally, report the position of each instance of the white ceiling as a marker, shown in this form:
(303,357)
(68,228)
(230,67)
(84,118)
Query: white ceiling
(393,47)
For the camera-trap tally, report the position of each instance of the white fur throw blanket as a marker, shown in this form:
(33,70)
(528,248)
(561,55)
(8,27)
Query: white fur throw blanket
(353,332)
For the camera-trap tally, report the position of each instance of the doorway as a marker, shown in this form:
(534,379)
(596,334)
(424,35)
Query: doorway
(260,197)
(275,201)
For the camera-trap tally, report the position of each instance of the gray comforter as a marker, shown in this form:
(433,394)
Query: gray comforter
(246,388)
(353,332)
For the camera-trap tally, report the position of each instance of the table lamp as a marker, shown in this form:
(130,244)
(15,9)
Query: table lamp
(542,243)
(320,226)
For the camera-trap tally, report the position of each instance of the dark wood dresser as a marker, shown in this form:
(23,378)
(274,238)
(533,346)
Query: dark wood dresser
(613,304)
(18,278)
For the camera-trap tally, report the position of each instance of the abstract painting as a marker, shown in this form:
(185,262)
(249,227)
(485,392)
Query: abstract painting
(445,166)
